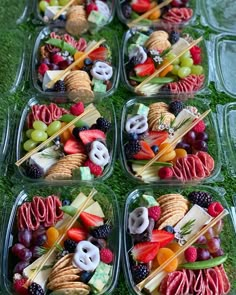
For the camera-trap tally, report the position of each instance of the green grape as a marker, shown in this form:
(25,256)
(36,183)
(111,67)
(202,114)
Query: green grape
(170,56)
(43,5)
(39,135)
(175,70)
(53,3)
(29,145)
(39,125)
(63,2)
(197,70)
(186,62)
(184,72)
(53,127)
(28,132)
(186,54)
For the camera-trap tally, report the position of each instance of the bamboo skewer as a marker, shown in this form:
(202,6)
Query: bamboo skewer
(141,285)
(149,12)
(87,110)
(173,143)
(158,71)
(75,63)
(63,9)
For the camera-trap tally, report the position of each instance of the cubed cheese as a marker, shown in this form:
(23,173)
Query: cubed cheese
(100,277)
(140,38)
(149,201)
(141,109)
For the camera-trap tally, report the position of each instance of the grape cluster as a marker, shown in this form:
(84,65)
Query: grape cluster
(194,141)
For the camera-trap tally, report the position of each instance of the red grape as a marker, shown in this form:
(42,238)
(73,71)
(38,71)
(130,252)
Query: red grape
(213,245)
(25,237)
(200,145)
(24,254)
(202,136)
(20,266)
(218,227)
(203,254)
(218,253)
(16,248)
(201,240)
(209,234)
(36,251)
(39,240)
(190,137)
(185,146)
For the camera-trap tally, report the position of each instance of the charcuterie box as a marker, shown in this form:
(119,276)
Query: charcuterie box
(27,245)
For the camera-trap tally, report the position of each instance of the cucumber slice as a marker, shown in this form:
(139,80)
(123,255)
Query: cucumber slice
(156,80)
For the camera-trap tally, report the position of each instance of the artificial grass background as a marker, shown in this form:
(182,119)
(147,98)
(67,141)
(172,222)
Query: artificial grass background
(118,182)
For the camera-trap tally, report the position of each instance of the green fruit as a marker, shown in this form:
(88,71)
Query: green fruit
(186,62)
(53,127)
(29,145)
(175,70)
(186,54)
(63,2)
(68,118)
(53,3)
(196,70)
(170,56)
(39,125)
(28,132)
(205,264)
(184,72)
(43,5)
(39,135)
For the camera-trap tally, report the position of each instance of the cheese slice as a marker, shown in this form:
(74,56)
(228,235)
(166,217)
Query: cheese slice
(179,46)
(49,76)
(51,11)
(151,286)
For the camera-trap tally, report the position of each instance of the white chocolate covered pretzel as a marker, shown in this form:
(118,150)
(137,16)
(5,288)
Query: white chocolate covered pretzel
(101,71)
(138,220)
(99,154)
(137,124)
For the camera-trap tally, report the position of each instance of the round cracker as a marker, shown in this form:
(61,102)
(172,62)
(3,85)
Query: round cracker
(72,285)
(165,216)
(66,270)
(173,220)
(71,291)
(164,198)
(58,176)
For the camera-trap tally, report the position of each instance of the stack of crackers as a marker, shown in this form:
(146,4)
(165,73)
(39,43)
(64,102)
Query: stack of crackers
(78,86)
(173,209)
(158,40)
(76,20)
(158,112)
(63,169)
(64,278)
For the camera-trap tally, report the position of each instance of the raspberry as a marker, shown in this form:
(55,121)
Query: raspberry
(165,173)
(200,127)
(196,54)
(18,286)
(94,169)
(90,7)
(190,254)
(77,109)
(56,58)
(43,68)
(154,212)
(106,255)
(215,209)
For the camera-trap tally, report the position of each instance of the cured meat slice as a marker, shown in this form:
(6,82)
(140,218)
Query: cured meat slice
(191,83)
(58,212)
(81,44)
(175,285)
(199,287)
(207,161)
(190,279)
(33,221)
(50,214)
(178,15)
(211,281)
(163,286)
(23,216)
(39,208)
(224,284)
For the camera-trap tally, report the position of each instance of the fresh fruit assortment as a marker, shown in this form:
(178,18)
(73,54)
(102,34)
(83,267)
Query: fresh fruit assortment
(151,127)
(156,238)
(81,264)
(92,75)
(80,152)
(146,50)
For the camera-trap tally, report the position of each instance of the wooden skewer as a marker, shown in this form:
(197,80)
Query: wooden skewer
(60,238)
(173,143)
(141,285)
(75,63)
(149,12)
(158,71)
(63,9)
(87,110)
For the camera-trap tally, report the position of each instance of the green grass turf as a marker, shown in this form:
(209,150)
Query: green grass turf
(8,52)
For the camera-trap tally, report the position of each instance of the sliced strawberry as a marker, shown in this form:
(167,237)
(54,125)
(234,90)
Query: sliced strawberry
(91,220)
(73,146)
(145,252)
(156,137)
(146,152)
(162,236)
(145,69)
(100,53)
(77,234)
(88,136)
(90,7)
(140,6)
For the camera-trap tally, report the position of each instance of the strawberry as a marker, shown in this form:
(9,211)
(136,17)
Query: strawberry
(73,146)
(90,220)
(43,68)
(196,54)
(77,109)
(90,7)
(56,58)
(145,252)
(162,236)
(146,152)
(88,136)
(100,53)
(140,6)
(145,69)
(156,137)
(94,169)
(77,234)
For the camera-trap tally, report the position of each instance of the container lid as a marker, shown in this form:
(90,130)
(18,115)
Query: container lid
(220,15)
(15,13)
(4,136)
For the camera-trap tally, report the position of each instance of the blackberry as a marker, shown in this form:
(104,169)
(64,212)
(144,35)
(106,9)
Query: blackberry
(70,245)
(132,148)
(77,130)
(60,86)
(135,60)
(35,289)
(174,37)
(169,229)
(94,126)
(175,107)
(61,254)
(103,124)
(101,232)
(140,272)
(85,276)
(202,199)
(33,171)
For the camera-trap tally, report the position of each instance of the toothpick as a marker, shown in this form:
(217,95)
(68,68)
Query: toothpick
(63,9)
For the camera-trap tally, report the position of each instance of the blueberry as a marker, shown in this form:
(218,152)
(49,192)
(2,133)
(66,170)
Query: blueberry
(62,17)
(126,9)
(66,202)
(169,229)
(88,62)
(133,136)
(85,276)
(155,149)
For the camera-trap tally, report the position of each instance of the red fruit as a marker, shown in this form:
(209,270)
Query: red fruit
(196,55)
(77,234)
(140,6)
(43,68)
(90,220)
(18,286)
(215,208)
(156,137)
(146,152)
(106,255)
(77,109)
(145,252)
(88,136)
(94,169)
(154,212)
(190,254)
(145,69)
(73,146)
(56,58)
(90,7)
(100,53)
(165,173)
(200,127)
(162,236)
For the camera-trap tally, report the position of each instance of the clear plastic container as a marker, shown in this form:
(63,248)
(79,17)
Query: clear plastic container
(106,109)
(227,235)
(214,146)
(106,199)
(111,40)
(4,137)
